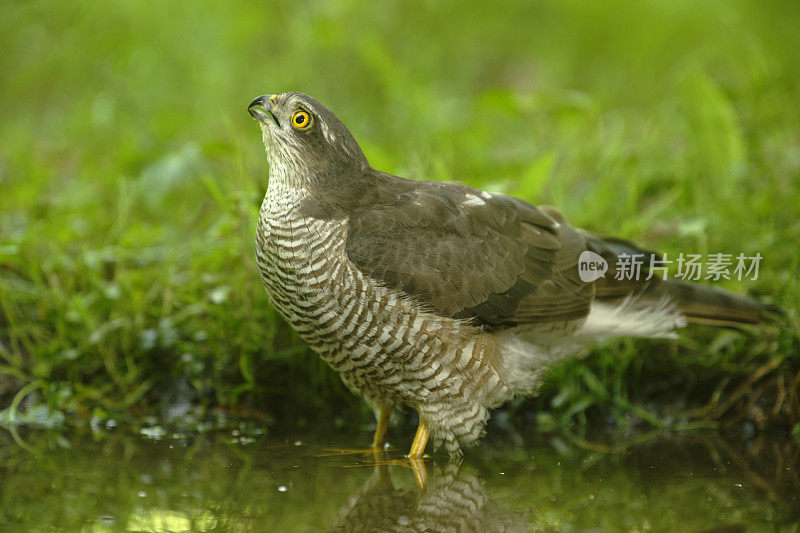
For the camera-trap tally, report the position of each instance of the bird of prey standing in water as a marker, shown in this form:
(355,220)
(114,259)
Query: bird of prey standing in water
(437,295)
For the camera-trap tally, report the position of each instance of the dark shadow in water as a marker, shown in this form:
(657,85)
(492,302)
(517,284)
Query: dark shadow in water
(453,499)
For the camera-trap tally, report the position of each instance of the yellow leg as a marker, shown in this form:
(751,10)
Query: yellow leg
(420,440)
(379,439)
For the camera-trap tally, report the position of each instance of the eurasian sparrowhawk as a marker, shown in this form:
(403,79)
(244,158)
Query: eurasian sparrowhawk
(436,295)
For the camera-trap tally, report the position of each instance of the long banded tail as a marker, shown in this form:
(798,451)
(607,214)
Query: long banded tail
(698,303)
(717,307)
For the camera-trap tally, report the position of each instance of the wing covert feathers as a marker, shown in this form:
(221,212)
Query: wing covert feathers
(469,254)
(501,262)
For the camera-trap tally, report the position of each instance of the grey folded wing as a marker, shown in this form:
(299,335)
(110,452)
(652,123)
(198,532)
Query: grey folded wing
(468,254)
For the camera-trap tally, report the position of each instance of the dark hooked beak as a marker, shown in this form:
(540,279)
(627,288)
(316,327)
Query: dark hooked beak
(260,109)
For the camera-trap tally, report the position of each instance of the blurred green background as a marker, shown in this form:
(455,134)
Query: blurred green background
(131,175)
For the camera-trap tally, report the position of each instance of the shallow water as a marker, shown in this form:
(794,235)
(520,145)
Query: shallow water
(117,481)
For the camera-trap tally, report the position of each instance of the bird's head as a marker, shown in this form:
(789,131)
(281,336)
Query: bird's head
(303,138)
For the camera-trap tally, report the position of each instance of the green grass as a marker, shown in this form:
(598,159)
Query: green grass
(131,177)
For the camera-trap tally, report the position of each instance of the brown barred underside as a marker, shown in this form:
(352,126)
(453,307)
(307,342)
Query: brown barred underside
(384,346)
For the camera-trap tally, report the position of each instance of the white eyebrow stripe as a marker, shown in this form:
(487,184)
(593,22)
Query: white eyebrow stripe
(327,133)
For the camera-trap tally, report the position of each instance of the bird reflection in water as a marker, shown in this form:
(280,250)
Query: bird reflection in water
(448,499)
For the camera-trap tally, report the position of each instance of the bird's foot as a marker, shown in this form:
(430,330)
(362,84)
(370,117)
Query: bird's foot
(380,461)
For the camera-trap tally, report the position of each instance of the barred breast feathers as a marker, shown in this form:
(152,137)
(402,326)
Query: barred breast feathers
(387,346)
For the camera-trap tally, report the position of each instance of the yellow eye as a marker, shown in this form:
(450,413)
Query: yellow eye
(301,119)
